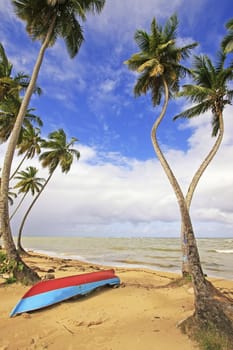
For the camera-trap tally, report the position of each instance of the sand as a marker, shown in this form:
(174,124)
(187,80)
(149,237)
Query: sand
(142,313)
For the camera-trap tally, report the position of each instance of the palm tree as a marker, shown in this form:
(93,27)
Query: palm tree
(11,86)
(59,153)
(45,21)
(29,145)
(11,197)
(10,101)
(158,63)
(28,182)
(210,92)
(227,43)
(8,84)
(8,112)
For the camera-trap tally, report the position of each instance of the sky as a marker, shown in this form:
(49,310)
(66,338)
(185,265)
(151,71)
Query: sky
(118,187)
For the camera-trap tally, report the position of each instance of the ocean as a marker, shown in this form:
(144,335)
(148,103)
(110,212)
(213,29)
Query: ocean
(154,253)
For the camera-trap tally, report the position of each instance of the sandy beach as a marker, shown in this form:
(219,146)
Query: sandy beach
(142,313)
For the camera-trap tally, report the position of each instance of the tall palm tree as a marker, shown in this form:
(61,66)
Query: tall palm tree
(28,183)
(210,92)
(45,21)
(8,112)
(29,145)
(11,197)
(159,66)
(227,43)
(59,153)
(11,85)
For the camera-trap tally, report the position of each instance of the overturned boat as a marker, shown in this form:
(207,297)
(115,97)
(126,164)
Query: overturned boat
(49,292)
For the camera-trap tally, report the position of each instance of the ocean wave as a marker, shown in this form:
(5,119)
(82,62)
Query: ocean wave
(224,251)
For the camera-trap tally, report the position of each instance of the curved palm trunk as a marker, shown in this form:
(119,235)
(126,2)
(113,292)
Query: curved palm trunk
(207,308)
(193,255)
(24,272)
(192,187)
(19,166)
(20,248)
(18,206)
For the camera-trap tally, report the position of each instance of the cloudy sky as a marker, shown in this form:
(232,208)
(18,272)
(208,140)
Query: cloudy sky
(118,187)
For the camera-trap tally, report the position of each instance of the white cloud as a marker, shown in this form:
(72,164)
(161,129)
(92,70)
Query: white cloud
(106,193)
(107,86)
(120,19)
(6,9)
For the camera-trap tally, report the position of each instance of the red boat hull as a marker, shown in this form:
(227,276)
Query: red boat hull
(51,292)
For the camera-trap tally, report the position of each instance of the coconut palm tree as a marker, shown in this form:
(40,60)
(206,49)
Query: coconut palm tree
(159,66)
(10,100)
(11,85)
(29,145)
(210,92)
(28,183)
(11,197)
(8,112)
(227,43)
(45,21)
(59,153)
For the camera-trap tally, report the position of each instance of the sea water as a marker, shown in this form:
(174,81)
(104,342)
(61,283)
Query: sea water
(154,253)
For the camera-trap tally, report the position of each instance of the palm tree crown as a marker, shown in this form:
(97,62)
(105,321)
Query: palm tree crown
(159,60)
(30,142)
(59,151)
(11,86)
(210,90)
(8,112)
(39,14)
(28,182)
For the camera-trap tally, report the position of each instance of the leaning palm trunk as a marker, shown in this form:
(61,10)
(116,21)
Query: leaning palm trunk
(24,272)
(208,309)
(18,206)
(20,248)
(19,166)
(192,187)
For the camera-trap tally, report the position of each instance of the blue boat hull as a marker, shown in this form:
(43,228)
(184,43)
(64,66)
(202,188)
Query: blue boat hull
(51,297)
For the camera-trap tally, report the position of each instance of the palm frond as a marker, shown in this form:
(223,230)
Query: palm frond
(159,57)
(170,28)
(227,42)
(194,111)
(142,40)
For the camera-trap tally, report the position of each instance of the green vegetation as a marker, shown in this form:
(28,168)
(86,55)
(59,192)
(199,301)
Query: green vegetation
(210,339)
(7,267)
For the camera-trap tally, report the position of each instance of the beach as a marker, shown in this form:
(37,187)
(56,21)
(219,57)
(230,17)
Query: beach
(142,313)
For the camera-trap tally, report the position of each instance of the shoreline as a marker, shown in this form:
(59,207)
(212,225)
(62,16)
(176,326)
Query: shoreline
(163,254)
(137,315)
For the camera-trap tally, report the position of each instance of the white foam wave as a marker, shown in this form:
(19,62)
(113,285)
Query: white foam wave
(224,251)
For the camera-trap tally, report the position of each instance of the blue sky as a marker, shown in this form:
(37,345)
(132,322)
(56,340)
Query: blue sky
(118,187)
